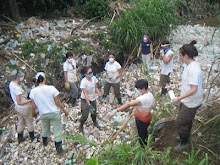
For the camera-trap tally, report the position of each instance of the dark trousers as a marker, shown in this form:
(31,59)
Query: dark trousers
(85,111)
(116,87)
(142,131)
(184,122)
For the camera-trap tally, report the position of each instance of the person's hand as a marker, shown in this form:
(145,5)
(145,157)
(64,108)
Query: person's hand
(100,98)
(91,109)
(174,100)
(66,112)
(112,113)
(67,85)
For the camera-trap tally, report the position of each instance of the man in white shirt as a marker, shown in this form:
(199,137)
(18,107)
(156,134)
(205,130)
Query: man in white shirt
(70,77)
(166,65)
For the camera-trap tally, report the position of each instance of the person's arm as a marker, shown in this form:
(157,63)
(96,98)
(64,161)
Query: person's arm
(151,50)
(119,73)
(127,105)
(21,102)
(33,107)
(65,76)
(139,50)
(167,59)
(60,105)
(193,90)
(97,90)
(86,96)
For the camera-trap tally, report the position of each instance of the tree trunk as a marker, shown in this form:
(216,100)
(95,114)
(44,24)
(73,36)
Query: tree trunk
(14,10)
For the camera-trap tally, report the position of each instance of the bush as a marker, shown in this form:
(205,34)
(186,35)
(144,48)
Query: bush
(154,17)
(96,8)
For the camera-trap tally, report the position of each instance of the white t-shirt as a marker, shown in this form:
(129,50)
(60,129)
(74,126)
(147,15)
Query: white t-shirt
(192,74)
(15,89)
(71,71)
(167,68)
(112,72)
(147,101)
(90,87)
(43,97)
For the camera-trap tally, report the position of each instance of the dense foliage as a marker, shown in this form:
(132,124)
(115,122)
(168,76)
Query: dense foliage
(154,17)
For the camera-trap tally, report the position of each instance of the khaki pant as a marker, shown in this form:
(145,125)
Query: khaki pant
(85,111)
(164,80)
(146,59)
(116,87)
(24,119)
(184,119)
(55,120)
(73,90)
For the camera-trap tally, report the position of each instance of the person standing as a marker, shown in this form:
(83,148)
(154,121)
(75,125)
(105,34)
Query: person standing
(70,77)
(191,95)
(146,49)
(166,65)
(88,97)
(113,73)
(142,109)
(22,106)
(45,98)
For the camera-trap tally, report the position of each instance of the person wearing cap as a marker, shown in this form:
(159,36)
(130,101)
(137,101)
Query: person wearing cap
(70,77)
(166,65)
(22,106)
(88,97)
(146,49)
(45,98)
(113,73)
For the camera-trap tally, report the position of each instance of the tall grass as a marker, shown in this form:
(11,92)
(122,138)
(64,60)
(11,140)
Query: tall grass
(155,17)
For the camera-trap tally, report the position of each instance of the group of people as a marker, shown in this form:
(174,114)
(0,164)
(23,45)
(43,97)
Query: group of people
(45,97)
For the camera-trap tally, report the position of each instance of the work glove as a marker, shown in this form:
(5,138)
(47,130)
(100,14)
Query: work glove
(66,112)
(112,113)
(80,76)
(100,98)
(174,100)
(91,109)
(67,85)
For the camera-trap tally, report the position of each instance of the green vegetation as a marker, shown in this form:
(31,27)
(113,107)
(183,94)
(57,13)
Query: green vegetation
(154,17)
(96,8)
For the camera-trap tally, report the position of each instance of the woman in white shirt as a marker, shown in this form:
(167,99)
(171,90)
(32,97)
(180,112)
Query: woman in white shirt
(191,94)
(166,65)
(88,97)
(142,109)
(113,73)
(45,98)
(22,106)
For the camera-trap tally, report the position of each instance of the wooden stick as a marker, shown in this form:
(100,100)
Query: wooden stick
(124,124)
(24,62)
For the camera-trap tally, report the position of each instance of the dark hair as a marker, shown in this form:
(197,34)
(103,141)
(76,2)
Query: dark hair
(165,42)
(111,53)
(189,49)
(84,70)
(146,34)
(40,78)
(69,54)
(141,84)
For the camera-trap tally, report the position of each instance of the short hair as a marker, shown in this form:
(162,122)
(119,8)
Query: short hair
(69,54)
(189,49)
(84,70)
(146,34)
(165,42)
(16,73)
(141,84)
(111,53)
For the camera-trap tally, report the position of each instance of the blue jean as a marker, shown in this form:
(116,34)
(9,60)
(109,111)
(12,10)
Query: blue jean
(142,131)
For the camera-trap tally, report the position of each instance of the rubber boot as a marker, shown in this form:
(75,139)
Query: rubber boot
(20,138)
(58,146)
(81,127)
(73,102)
(184,143)
(119,101)
(45,141)
(95,122)
(31,134)
(164,91)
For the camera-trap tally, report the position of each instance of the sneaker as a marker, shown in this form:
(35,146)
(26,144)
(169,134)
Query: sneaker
(181,147)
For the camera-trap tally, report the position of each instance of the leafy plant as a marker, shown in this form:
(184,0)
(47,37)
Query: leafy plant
(154,17)
(96,8)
